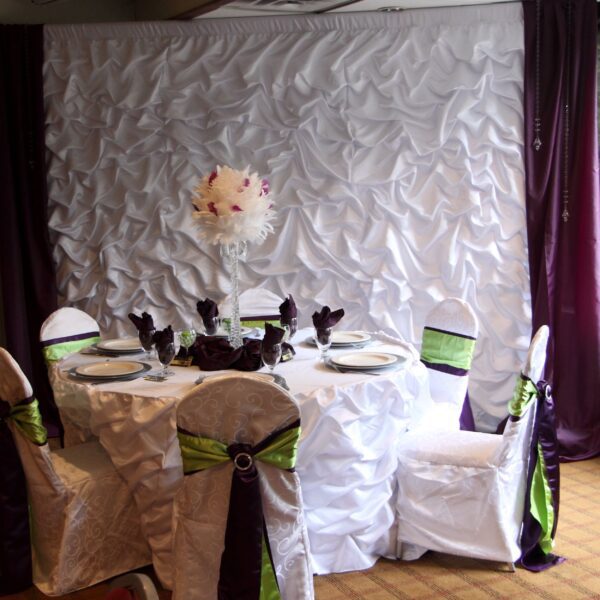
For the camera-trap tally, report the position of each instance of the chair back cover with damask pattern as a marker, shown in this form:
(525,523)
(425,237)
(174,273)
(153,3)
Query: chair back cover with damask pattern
(246,421)
(448,343)
(84,523)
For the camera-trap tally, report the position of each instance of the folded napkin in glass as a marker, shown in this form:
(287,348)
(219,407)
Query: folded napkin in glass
(208,311)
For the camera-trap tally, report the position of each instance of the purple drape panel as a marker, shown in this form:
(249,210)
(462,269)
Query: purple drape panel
(564,259)
(26,268)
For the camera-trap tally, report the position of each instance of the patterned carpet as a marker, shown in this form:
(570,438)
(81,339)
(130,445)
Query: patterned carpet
(441,576)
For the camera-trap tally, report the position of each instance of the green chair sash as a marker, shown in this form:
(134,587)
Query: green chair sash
(445,348)
(28,420)
(55,352)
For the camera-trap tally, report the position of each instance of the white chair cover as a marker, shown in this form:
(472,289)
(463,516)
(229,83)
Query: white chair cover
(254,303)
(84,524)
(243,409)
(463,492)
(447,385)
(66,331)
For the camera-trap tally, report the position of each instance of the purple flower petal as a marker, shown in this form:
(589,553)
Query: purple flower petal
(213,208)
(236,208)
(265,187)
(246,182)
(212,177)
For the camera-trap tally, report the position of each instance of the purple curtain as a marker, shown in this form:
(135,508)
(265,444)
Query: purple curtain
(563,209)
(26,268)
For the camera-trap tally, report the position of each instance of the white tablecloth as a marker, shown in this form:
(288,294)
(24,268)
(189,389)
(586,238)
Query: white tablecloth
(351,423)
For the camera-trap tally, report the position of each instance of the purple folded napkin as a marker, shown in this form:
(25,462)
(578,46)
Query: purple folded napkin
(208,310)
(273,335)
(216,353)
(325,318)
(143,323)
(164,344)
(287,310)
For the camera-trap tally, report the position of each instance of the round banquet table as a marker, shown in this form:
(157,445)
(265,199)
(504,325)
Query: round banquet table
(351,422)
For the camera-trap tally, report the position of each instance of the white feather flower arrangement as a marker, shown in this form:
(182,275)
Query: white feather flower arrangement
(233,206)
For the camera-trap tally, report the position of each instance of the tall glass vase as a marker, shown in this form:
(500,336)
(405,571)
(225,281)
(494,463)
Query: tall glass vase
(233,253)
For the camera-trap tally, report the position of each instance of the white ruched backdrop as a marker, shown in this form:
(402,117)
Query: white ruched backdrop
(392,142)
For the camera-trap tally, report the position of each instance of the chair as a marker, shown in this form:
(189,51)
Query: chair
(132,586)
(447,351)
(229,426)
(84,524)
(464,492)
(65,332)
(257,306)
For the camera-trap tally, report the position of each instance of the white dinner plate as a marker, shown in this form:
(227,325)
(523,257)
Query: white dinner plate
(109,370)
(124,345)
(243,331)
(349,338)
(364,360)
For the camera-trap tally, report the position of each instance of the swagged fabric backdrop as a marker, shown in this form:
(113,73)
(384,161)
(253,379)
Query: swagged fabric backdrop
(393,143)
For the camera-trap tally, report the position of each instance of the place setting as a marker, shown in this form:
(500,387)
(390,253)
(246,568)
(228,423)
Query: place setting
(108,371)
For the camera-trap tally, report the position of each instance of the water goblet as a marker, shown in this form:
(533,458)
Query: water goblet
(146,337)
(187,338)
(323,340)
(270,355)
(166,353)
(211,325)
(290,327)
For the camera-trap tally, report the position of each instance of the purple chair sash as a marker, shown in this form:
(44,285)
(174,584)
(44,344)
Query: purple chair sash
(15,545)
(544,433)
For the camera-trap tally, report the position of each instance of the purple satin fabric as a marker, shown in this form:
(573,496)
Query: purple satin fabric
(27,270)
(544,433)
(564,258)
(15,547)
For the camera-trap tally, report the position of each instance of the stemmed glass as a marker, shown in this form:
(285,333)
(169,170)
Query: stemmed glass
(290,328)
(270,355)
(323,340)
(212,325)
(146,337)
(187,338)
(166,353)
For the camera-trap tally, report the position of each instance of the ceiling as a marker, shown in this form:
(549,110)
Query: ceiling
(245,8)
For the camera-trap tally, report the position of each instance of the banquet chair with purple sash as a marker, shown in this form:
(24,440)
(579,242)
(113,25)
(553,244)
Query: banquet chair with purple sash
(239,523)
(84,523)
(485,495)
(447,347)
(66,331)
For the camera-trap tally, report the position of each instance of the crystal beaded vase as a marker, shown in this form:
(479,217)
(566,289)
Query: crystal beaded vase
(233,254)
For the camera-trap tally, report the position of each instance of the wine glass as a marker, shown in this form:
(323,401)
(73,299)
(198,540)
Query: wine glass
(270,355)
(211,325)
(187,338)
(323,340)
(290,327)
(146,337)
(166,353)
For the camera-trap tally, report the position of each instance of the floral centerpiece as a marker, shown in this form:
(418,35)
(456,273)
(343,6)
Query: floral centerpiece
(233,208)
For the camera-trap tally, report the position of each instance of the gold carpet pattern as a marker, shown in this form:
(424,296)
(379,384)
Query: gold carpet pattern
(439,576)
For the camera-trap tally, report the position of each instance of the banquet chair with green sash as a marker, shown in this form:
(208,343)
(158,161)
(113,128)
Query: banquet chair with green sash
(447,347)
(85,525)
(238,515)
(484,495)
(65,332)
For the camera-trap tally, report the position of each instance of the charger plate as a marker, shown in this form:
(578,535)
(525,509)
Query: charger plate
(109,369)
